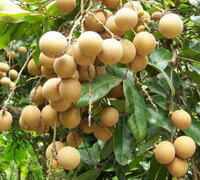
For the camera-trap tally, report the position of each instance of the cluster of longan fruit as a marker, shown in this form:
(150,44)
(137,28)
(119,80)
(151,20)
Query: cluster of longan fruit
(175,155)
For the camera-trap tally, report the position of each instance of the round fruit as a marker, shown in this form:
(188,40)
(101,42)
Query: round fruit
(2,74)
(10,54)
(109,116)
(69,158)
(84,125)
(107,13)
(90,43)
(33,69)
(54,164)
(178,167)
(46,62)
(145,43)
(139,63)
(50,149)
(53,44)
(100,70)
(91,24)
(5,81)
(140,28)
(48,73)
(5,120)
(74,139)
(50,89)
(181,119)
(31,116)
(71,118)
(86,73)
(4,67)
(49,115)
(75,75)
(126,19)
(22,49)
(185,147)
(156,16)
(13,74)
(129,51)
(81,59)
(60,105)
(12,86)
(102,133)
(70,89)
(170,25)
(65,6)
(65,66)
(111,25)
(112,4)
(36,96)
(135,5)
(165,152)
(42,128)
(144,19)
(117,92)
(112,51)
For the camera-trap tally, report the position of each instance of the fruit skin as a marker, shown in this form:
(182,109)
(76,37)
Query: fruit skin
(2,74)
(69,158)
(5,81)
(102,133)
(135,5)
(48,73)
(42,128)
(53,44)
(10,54)
(75,75)
(139,63)
(165,152)
(13,74)
(4,67)
(71,118)
(60,105)
(170,25)
(5,120)
(156,16)
(145,43)
(85,126)
(86,73)
(46,62)
(54,164)
(22,49)
(74,139)
(178,167)
(129,51)
(117,92)
(109,116)
(33,69)
(31,116)
(49,115)
(36,95)
(90,43)
(70,89)
(181,119)
(100,70)
(58,146)
(185,147)
(112,4)
(66,6)
(126,19)
(50,89)
(11,86)
(65,66)
(144,19)
(112,51)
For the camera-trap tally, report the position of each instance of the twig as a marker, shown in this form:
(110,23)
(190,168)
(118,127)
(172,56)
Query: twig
(194,169)
(90,98)
(188,59)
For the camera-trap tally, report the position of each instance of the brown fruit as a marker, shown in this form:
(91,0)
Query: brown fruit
(102,133)
(178,167)
(71,118)
(140,28)
(185,147)
(109,116)
(5,120)
(5,81)
(70,89)
(48,73)
(84,125)
(90,43)
(31,116)
(66,6)
(69,158)
(54,164)
(36,95)
(165,152)
(170,25)
(129,51)
(91,24)
(42,128)
(100,70)
(145,43)
(49,115)
(33,69)
(144,19)
(22,49)
(135,5)
(75,75)
(12,86)
(10,54)
(46,62)
(112,4)
(65,66)
(4,67)
(13,74)
(112,51)
(2,74)
(139,63)
(74,139)
(117,92)
(60,105)
(181,119)
(107,13)
(53,44)
(54,149)
(156,16)
(50,89)
(126,19)
(86,73)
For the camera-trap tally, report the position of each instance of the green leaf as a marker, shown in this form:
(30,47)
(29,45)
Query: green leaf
(100,87)
(160,57)
(194,76)
(135,105)
(160,101)
(158,89)
(107,149)
(122,142)
(91,174)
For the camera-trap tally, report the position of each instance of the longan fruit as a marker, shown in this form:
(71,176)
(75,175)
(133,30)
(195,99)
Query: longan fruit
(117,92)
(144,19)
(102,133)
(33,69)
(86,73)
(12,86)
(135,5)
(42,128)
(54,164)
(139,63)
(13,74)
(100,70)
(60,105)
(49,115)
(58,146)
(65,6)
(46,62)
(74,139)
(84,125)
(36,95)
(5,81)
(111,4)
(10,54)
(107,13)
(2,74)
(22,49)
(75,75)
(5,120)
(4,67)
(48,73)
(140,28)
(156,16)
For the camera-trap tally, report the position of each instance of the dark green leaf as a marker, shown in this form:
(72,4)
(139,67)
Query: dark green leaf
(92,174)
(194,76)
(160,101)
(107,149)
